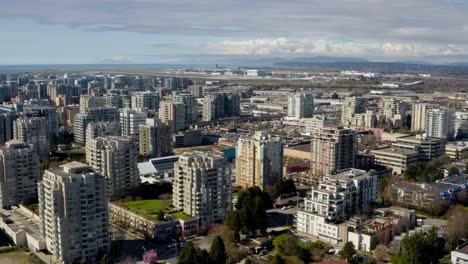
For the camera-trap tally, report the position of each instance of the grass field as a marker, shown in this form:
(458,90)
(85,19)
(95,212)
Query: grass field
(14,257)
(150,208)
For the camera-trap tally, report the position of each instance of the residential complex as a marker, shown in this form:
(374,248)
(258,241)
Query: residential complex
(259,160)
(338,195)
(173,114)
(155,139)
(116,158)
(19,173)
(300,105)
(84,117)
(440,123)
(130,121)
(314,124)
(333,149)
(202,186)
(102,129)
(73,213)
(220,105)
(33,131)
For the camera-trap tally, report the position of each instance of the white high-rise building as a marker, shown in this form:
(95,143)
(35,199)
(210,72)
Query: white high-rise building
(73,213)
(33,131)
(440,123)
(337,195)
(202,186)
(259,161)
(116,158)
(19,173)
(145,100)
(94,115)
(418,116)
(300,105)
(102,129)
(312,125)
(130,121)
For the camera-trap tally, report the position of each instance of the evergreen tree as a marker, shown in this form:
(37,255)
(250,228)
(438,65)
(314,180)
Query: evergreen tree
(348,251)
(218,251)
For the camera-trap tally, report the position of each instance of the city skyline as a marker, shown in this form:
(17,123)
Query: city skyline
(126,32)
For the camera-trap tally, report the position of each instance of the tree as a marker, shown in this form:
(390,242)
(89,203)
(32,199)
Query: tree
(380,252)
(420,248)
(150,257)
(251,206)
(285,244)
(452,171)
(457,226)
(218,251)
(348,251)
(234,254)
(191,254)
(188,254)
(284,187)
(233,221)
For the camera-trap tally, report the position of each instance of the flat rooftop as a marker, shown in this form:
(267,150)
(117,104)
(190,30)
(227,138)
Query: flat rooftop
(19,221)
(394,151)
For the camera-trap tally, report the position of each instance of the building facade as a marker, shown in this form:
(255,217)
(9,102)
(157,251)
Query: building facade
(19,173)
(259,161)
(300,105)
(33,131)
(73,213)
(440,123)
(156,139)
(337,196)
(84,117)
(202,186)
(333,149)
(116,158)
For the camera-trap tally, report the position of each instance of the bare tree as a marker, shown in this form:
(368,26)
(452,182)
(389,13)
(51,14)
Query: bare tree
(457,226)
(380,253)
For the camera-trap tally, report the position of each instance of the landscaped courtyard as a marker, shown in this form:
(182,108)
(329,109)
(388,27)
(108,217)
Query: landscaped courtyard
(151,209)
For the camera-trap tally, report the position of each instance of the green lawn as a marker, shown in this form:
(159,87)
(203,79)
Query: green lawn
(150,208)
(181,215)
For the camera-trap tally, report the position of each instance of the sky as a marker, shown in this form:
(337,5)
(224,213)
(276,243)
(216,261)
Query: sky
(184,31)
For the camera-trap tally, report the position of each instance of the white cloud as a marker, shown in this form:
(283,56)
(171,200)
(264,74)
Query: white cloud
(285,47)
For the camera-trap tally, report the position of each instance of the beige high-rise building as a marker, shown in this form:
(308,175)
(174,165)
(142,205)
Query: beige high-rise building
(88,101)
(102,129)
(116,158)
(73,213)
(173,114)
(155,139)
(259,161)
(33,131)
(202,186)
(19,173)
(351,106)
(418,116)
(333,149)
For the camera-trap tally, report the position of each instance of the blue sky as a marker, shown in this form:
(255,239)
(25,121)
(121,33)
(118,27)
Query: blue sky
(155,31)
